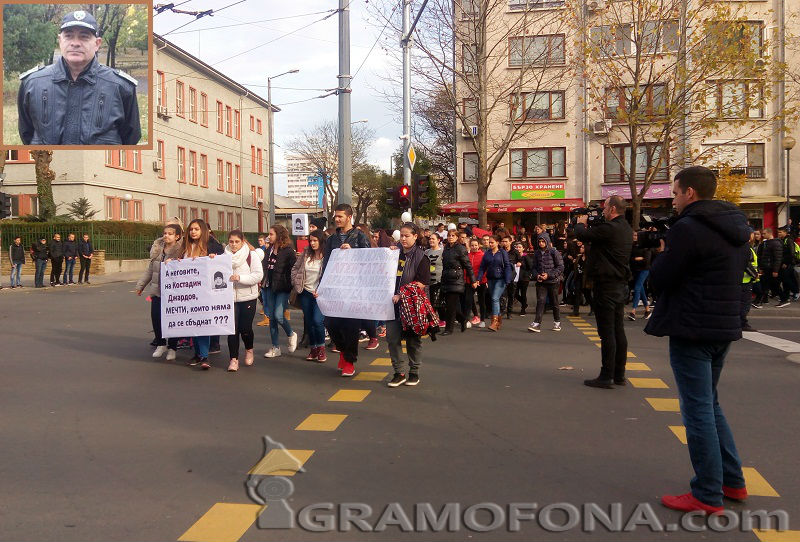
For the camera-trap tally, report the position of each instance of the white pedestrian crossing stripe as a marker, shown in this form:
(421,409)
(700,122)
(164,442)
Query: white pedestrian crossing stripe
(769,340)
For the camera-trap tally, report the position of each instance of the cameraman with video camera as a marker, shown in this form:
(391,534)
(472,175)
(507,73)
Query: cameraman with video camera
(608,267)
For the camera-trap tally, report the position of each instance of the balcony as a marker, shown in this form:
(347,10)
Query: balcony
(662,175)
(522,5)
(751,172)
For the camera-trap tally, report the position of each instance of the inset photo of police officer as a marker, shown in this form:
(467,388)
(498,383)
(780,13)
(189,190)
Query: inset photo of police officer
(76,74)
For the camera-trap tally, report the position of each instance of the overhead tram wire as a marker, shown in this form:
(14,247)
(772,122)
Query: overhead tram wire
(380,35)
(254,22)
(200,14)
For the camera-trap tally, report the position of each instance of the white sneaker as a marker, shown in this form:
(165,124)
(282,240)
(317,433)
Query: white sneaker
(556,326)
(273,352)
(292,340)
(482,324)
(469,325)
(160,351)
(535,327)
(170,354)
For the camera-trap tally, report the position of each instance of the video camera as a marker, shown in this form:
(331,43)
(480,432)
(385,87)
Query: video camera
(594,212)
(652,239)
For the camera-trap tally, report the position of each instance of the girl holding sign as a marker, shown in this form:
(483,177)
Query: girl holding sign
(247,274)
(197,243)
(278,280)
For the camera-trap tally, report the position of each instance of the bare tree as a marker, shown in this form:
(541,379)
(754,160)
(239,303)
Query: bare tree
(669,78)
(488,65)
(320,147)
(435,136)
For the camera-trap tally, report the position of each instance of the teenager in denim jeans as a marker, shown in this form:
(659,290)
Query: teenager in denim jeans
(497,268)
(16,255)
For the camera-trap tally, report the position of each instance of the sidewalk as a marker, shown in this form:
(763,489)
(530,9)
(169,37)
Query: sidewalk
(95,280)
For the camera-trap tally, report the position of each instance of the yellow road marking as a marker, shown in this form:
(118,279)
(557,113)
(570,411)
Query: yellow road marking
(370,376)
(648,383)
(590,332)
(224,522)
(636,366)
(582,325)
(350,396)
(771,535)
(596,339)
(383,362)
(757,485)
(279,462)
(680,432)
(664,405)
(631,355)
(321,422)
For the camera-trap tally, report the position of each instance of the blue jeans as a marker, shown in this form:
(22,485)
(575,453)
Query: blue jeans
(697,366)
(264,300)
(69,270)
(496,289)
(16,271)
(41,265)
(638,289)
(201,345)
(277,302)
(313,318)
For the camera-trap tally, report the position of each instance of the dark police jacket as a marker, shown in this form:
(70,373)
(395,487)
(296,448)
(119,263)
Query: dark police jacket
(698,278)
(100,108)
(609,254)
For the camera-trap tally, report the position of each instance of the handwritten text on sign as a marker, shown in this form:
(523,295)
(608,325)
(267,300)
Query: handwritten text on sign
(359,283)
(197,297)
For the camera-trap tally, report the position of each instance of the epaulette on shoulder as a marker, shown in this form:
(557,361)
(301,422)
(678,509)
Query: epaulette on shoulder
(127,77)
(27,73)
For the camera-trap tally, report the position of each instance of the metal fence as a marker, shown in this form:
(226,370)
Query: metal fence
(116,246)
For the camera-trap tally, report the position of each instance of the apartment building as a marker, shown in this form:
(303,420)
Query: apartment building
(209,158)
(568,154)
(298,170)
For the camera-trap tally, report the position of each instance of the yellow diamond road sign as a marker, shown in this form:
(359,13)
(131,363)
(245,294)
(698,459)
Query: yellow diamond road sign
(412,157)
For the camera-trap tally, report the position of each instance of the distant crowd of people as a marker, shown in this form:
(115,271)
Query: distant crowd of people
(61,255)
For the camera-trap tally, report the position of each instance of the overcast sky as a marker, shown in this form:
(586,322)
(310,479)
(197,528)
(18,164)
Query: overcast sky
(267,50)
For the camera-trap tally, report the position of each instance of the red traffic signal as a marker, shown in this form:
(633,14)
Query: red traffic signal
(404,196)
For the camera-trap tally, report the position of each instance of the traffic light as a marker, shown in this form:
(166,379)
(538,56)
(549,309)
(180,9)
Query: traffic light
(5,205)
(421,185)
(404,196)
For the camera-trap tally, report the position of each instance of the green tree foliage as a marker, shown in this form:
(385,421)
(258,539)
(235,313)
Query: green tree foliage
(133,33)
(81,209)
(29,37)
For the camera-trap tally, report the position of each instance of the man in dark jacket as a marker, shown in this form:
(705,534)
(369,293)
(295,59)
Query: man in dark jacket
(16,256)
(56,259)
(786,271)
(344,331)
(608,266)
(698,282)
(40,254)
(70,255)
(85,251)
(770,258)
(548,268)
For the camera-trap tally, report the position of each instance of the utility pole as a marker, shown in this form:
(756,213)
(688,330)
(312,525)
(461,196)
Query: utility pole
(405,42)
(345,137)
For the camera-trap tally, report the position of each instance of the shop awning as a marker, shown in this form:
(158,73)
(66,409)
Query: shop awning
(514,206)
(765,199)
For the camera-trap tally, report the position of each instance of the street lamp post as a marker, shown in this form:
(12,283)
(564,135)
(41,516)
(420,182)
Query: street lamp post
(270,140)
(788,145)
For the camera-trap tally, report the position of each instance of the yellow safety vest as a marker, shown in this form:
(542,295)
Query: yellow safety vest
(754,262)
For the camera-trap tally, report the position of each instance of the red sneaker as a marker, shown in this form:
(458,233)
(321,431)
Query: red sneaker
(341,361)
(735,493)
(372,344)
(312,356)
(348,369)
(688,503)
(321,356)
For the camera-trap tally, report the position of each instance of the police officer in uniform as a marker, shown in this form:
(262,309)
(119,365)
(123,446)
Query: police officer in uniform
(76,100)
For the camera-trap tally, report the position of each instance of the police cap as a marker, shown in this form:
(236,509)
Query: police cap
(79,19)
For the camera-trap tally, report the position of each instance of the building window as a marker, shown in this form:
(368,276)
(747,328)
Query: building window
(252,159)
(260,193)
(470,168)
(220,178)
(659,36)
(179,99)
(220,114)
(620,103)
(110,208)
(620,40)
(469,58)
(137,210)
(522,5)
(181,165)
(237,177)
(230,220)
(193,168)
(237,124)
(193,213)
(252,123)
(20,157)
(253,194)
(538,163)
(533,106)
(221,220)
(162,212)
(743,159)
(123,159)
(124,210)
(739,35)
(617,161)
(161,90)
(228,120)
(204,216)
(192,104)
(736,99)
(229,176)
(137,161)
(258,125)
(182,216)
(204,171)
(258,158)
(203,109)
(536,51)
(160,159)
(239,220)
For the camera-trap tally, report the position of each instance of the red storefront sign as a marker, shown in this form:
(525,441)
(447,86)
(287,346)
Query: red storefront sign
(514,206)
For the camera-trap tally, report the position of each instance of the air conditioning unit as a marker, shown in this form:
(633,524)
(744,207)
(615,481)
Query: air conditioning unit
(601,127)
(162,111)
(472,131)
(157,165)
(595,5)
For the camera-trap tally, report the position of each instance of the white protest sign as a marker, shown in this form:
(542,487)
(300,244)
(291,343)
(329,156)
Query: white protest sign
(359,283)
(299,224)
(197,297)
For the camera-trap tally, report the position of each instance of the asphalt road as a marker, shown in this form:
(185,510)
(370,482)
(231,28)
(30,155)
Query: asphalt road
(101,442)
